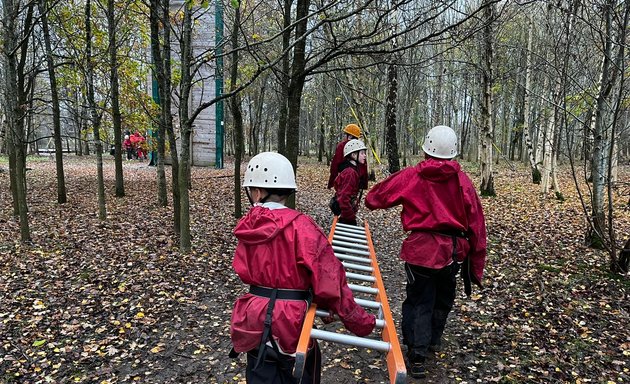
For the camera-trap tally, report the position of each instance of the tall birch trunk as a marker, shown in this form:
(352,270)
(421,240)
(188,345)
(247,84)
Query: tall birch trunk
(487,179)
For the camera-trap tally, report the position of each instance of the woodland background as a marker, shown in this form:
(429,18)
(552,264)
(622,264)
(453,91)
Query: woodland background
(536,91)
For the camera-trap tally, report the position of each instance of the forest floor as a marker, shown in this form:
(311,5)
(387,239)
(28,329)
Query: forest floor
(116,302)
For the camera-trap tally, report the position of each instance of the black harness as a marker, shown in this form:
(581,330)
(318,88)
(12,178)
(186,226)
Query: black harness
(465,272)
(273,294)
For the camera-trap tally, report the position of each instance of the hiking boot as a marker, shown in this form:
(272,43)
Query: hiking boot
(417,370)
(435,347)
(416,367)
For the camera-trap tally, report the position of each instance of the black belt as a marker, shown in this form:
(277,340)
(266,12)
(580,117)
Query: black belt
(453,233)
(282,294)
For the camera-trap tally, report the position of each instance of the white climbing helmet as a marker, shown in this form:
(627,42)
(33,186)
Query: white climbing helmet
(440,142)
(269,170)
(353,146)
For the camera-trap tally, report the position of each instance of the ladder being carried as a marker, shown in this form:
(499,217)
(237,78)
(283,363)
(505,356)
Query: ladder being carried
(354,248)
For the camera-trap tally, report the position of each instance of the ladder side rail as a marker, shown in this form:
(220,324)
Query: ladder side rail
(305,338)
(395,361)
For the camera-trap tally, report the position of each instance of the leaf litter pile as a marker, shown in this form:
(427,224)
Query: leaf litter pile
(116,302)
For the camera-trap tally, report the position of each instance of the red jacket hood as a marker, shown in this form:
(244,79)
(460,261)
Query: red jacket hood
(259,226)
(437,170)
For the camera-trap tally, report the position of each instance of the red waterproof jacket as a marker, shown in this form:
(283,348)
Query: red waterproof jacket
(347,190)
(437,197)
(337,159)
(283,248)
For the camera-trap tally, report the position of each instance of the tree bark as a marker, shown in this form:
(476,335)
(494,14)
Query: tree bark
(285,79)
(296,86)
(158,51)
(390,118)
(115,94)
(95,116)
(15,99)
(186,128)
(54,98)
(237,115)
(487,179)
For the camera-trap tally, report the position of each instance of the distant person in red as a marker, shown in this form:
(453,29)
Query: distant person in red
(137,140)
(351,131)
(442,213)
(128,147)
(347,182)
(287,261)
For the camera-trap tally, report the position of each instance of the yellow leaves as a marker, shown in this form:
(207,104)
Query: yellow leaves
(38,343)
(38,304)
(139,315)
(158,348)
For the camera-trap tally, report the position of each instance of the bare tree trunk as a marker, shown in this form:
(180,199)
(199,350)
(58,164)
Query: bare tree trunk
(596,234)
(186,128)
(237,115)
(54,95)
(158,52)
(113,79)
(526,106)
(390,119)
(15,93)
(486,134)
(94,113)
(285,79)
(296,87)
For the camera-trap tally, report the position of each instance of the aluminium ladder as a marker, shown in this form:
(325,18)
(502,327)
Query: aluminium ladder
(354,248)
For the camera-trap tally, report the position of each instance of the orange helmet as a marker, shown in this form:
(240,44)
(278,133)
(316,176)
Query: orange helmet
(353,129)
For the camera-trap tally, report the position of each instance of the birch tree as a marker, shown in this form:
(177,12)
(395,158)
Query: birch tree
(486,134)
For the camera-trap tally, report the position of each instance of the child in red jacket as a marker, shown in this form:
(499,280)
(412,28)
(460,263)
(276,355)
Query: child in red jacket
(287,261)
(351,132)
(348,181)
(444,218)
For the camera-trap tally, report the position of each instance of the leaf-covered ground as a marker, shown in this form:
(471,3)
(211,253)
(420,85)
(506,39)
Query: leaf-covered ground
(115,302)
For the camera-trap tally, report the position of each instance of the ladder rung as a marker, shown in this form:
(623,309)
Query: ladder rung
(351,251)
(357,267)
(351,340)
(363,289)
(353,245)
(353,258)
(358,276)
(350,234)
(368,303)
(321,313)
(346,238)
(348,227)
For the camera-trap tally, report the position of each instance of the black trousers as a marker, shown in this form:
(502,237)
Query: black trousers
(430,297)
(272,371)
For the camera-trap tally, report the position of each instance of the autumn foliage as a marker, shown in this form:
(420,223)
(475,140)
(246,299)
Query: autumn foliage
(116,302)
